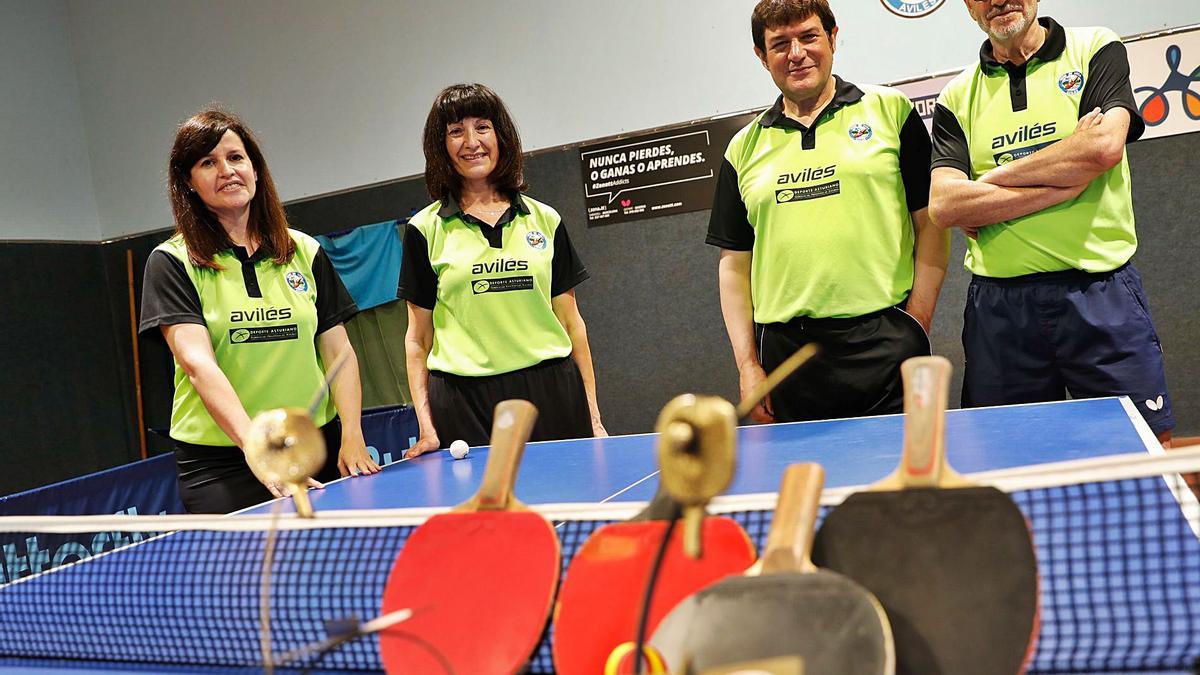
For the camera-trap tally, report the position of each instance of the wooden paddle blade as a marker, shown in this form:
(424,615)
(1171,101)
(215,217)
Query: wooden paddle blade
(512,423)
(954,569)
(601,595)
(827,620)
(480,586)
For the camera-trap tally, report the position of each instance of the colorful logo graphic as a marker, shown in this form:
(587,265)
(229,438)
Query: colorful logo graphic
(912,9)
(626,203)
(297,281)
(239,335)
(861,132)
(1156,108)
(1071,83)
(536,240)
(481,286)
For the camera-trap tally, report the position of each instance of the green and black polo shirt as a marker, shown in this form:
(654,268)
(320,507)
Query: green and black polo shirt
(995,113)
(490,287)
(826,209)
(263,320)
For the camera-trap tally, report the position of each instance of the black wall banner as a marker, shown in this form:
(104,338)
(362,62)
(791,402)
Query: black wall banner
(656,174)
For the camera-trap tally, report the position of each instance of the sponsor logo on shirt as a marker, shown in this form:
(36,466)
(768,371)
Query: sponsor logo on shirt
(297,281)
(263,334)
(861,132)
(499,265)
(260,314)
(1017,153)
(804,193)
(502,284)
(537,240)
(1071,83)
(808,192)
(1023,134)
(807,174)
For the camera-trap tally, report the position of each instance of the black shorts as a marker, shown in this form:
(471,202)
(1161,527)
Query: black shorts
(216,479)
(857,371)
(462,406)
(1042,336)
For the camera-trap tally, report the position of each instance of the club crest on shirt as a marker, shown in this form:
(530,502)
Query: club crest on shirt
(536,240)
(861,132)
(297,281)
(1071,83)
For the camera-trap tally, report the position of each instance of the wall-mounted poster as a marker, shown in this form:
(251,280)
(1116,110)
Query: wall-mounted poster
(656,174)
(1166,82)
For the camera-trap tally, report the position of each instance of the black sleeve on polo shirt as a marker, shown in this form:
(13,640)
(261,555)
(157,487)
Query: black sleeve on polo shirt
(729,224)
(915,156)
(418,281)
(949,142)
(334,303)
(1108,87)
(168,295)
(567,270)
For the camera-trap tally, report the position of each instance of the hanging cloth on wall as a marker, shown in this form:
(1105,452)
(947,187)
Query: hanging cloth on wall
(367,258)
(377,336)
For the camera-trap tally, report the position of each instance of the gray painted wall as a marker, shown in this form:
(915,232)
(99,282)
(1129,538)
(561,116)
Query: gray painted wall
(46,187)
(338,91)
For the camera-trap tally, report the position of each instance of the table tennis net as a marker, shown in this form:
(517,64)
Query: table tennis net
(1118,542)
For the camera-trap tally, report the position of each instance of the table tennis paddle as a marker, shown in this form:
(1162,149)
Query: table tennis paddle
(783,607)
(601,598)
(952,562)
(479,579)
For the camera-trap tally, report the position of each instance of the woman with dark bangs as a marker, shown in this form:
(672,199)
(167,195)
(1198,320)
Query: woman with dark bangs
(251,311)
(489,277)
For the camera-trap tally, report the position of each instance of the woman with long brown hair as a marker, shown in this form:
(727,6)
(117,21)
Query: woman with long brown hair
(252,312)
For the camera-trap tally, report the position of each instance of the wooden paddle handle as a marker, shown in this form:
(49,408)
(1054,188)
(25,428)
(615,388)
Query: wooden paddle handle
(299,493)
(923,459)
(511,425)
(789,542)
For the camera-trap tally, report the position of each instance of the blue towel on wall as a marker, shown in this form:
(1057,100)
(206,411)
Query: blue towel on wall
(367,259)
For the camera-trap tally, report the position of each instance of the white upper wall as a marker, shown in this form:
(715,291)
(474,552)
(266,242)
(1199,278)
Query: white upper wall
(338,91)
(45,174)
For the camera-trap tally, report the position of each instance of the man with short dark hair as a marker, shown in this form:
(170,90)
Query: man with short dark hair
(820,212)
(1029,161)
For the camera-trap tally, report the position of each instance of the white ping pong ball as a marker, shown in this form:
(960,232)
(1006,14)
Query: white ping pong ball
(459,449)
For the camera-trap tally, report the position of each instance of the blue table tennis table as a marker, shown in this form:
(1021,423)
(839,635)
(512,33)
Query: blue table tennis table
(853,452)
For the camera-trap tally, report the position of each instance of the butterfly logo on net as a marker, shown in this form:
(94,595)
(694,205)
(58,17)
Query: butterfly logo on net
(1157,108)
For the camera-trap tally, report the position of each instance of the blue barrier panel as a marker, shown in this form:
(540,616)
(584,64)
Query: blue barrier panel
(389,431)
(145,487)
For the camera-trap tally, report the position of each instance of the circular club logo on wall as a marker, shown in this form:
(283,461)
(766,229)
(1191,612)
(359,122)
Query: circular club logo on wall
(912,9)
